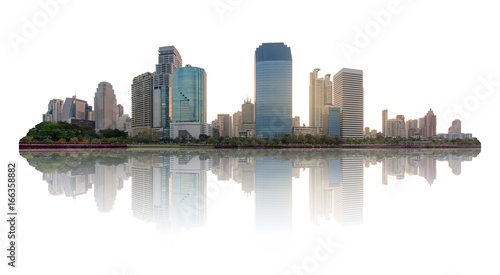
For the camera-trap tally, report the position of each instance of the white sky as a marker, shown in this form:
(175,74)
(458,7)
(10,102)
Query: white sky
(430,55)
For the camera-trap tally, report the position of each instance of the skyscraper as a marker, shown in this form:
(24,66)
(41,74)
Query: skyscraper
(189,95)
(119,110)
(385,117)
(331,120)
(273,90)
(224,125)
(142,103)
(105,114)
(348,97)
(168,60)
(54,112)
(456,127)
(248,117)
(428,125)
(411,128)
(75,108)
(237,123)
(320,94)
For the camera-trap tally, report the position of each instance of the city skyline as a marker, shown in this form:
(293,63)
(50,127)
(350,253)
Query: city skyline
(346,92)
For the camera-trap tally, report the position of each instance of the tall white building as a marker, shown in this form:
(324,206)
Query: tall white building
(320,94)
(348,96)
(105,114)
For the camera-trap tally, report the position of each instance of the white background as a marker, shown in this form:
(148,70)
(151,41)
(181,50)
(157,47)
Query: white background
(430,55)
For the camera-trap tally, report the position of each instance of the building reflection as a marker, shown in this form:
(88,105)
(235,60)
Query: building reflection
(169,188)
(273,194)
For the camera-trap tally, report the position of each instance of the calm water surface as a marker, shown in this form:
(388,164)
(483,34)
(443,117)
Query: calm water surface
(256,212)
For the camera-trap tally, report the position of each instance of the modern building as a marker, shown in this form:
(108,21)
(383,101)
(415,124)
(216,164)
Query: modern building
(455,132)
(54,112)
(428,125)
(237,124)
(189,95)
(348,97)
(247,119)
(168,60)
(105,113)
(125,124)
(320,94)
(273,90)
(331,120)
(412,128)
(142,103)
(119,110)
(306,130)
(224,125)
(456,127)
(395,128)
(189,130)
(75,108)
(385,117)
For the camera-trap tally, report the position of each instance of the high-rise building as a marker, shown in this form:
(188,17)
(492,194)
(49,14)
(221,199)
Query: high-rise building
(75,108)
(320,94)
(331,120)
(119,110)
(401,117)
(168,60)
(428,125)
(237,124)
(189,95)
(55,109)
(273,90)
(456,127)
(395,128)
(247,118)
(224,125)
(105,114)
(348,97)
(296,121)
(411,128)
(385,117)
(142,103)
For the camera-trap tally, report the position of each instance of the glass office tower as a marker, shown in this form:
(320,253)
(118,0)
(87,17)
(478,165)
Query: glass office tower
(189,95)
(273,90)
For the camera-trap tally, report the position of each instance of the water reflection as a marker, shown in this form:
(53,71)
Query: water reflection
(169,188)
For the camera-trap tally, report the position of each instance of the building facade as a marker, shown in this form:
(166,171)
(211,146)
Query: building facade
(224,125)
(54,112)
(273,90)
(168,60)
(428,125)
(247,118)
(189,95)
(142,103)
(105,113)
(331,121)
(320,94)
(348,97)
(75,108)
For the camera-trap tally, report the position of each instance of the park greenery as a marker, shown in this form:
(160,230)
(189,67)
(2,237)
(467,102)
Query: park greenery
(63,132)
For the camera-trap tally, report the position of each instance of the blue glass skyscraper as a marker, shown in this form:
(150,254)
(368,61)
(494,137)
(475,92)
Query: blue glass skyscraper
(189,95)
(273,90)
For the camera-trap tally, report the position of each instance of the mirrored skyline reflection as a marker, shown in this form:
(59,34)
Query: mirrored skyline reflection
(169,188)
